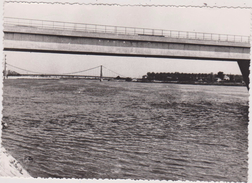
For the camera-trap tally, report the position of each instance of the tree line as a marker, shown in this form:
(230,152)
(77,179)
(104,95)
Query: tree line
(193,77)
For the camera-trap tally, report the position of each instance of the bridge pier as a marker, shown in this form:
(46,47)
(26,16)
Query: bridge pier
(244,67)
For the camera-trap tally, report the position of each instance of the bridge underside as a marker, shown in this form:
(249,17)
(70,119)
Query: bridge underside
(72,42)
(192,57)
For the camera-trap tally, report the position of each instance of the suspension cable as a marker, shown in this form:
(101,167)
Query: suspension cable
(114,71)
(44,73)
(65,73)
(80,71)
(23,69)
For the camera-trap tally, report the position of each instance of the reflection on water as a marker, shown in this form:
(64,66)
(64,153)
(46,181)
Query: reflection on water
(92,129)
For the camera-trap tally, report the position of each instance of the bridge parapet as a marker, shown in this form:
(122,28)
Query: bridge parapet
(119,30)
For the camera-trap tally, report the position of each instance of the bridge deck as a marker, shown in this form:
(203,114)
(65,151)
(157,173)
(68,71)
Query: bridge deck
(95,28)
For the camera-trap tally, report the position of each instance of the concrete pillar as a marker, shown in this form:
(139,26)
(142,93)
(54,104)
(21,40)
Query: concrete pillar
(244,67)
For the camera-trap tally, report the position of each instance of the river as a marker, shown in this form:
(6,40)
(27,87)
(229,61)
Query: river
(126,130)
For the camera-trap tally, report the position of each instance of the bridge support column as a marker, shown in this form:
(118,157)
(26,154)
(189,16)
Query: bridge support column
(101,73)
(244,67)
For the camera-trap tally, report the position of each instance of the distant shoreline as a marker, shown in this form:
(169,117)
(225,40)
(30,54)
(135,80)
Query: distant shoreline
(137,81)
(199,83)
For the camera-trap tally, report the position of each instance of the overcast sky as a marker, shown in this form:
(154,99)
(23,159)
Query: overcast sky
(208,20)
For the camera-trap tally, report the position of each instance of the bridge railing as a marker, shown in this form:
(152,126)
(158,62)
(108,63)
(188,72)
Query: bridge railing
(94,28)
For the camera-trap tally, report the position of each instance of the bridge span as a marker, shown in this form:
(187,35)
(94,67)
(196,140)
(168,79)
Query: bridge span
(72,38)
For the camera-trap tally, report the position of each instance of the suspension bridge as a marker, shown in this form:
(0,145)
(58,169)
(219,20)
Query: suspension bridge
(30,35)
(99,72)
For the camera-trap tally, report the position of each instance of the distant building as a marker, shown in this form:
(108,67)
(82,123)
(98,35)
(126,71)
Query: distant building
(226,78)
(144,77)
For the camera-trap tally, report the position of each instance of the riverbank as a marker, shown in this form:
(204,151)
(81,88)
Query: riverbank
(198,83)
(10,167)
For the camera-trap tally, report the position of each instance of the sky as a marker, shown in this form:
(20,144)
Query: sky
(208,20)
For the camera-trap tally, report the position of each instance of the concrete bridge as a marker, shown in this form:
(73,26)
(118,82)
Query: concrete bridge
(71,38)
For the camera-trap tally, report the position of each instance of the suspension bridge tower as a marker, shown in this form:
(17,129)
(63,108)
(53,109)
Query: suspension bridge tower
(5,72)
(101,73)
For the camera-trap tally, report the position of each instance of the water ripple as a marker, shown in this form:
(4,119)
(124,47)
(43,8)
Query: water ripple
(91,129)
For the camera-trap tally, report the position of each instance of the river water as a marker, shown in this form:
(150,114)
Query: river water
(91,129)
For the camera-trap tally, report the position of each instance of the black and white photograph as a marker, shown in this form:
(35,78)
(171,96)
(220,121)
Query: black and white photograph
(129,92)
